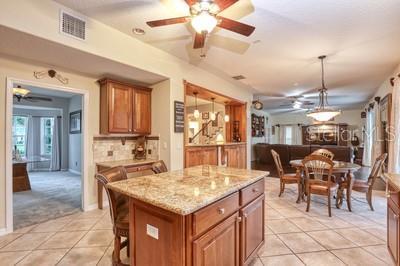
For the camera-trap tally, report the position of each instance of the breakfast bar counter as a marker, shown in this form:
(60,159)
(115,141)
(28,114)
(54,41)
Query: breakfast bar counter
(203,215)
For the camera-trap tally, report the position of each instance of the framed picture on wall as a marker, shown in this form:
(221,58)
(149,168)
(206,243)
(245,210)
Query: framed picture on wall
(75,122)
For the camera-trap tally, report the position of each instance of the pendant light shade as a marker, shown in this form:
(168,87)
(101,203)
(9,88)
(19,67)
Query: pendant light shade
(196,112)
(323,112)
(226,118)
(213,115)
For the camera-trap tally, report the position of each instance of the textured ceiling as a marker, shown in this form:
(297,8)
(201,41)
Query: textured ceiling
(360,37)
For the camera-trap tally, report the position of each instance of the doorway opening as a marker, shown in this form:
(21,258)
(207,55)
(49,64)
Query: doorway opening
(46,136)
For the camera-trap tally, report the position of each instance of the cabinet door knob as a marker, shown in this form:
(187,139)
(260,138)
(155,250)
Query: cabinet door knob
(255,190)
(239,219)
(221,210)
(396,216)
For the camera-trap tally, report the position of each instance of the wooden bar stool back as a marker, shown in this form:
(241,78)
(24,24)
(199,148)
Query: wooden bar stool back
(159,167)
(119,210)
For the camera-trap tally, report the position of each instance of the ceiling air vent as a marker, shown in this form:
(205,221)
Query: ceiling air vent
(239,77)
(72,26)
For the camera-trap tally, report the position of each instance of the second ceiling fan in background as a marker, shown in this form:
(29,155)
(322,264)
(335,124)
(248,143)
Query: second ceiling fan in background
(204,18)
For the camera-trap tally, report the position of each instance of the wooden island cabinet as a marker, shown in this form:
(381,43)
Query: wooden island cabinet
(124,108)
(204,215)
(230,154)
(393,214)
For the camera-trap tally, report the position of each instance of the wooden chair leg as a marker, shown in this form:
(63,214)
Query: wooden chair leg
(329,205)
(348,199)
(308,201)
(117,249)
(369,199)
(281,188)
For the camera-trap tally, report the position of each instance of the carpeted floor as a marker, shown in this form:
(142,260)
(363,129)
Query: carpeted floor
(53,195)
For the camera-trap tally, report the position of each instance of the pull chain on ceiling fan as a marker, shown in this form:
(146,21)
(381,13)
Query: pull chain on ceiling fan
(204,18)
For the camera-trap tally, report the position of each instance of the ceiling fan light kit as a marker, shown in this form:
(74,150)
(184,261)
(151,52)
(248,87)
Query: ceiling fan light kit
(323,112)
(18,91)
(204,19)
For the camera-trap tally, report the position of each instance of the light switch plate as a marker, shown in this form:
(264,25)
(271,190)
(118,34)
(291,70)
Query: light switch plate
(152,231)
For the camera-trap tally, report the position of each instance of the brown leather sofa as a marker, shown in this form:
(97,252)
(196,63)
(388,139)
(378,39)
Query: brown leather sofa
(264,160)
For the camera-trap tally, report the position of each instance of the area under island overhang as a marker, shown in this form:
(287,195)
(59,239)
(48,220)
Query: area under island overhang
(204,215)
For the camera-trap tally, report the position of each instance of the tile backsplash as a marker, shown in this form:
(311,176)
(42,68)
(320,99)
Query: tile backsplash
(112,149)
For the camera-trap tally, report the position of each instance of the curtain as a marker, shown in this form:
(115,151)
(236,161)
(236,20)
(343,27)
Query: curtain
(394,140)
(377,136)
(368,138)
(282,135)
(296,135)
(30,139)
(55,164)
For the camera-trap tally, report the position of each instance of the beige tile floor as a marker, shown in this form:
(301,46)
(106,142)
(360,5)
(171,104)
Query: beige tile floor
(293,236)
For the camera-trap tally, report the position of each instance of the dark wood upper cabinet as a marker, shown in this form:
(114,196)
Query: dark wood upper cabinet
(393,223)
(124,108)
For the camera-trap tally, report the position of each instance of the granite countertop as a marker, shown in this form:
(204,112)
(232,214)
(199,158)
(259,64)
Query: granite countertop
(186,191)
(394,179)
(130,162)
(211,145)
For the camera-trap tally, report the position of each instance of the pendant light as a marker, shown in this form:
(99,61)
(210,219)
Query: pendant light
(196,112)
(226,116)
(323,112)
(213,115)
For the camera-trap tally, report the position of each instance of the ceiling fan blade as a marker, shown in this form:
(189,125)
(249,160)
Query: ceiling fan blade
(36,98)
(224,4)
(235,26)
(168,21)
(199,40)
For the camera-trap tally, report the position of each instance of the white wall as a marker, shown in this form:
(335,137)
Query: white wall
(350,117)
(75,140)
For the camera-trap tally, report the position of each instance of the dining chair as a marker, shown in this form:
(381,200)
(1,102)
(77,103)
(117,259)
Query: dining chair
(324,152)
(366,186)
(285,178)
(318,173)
(159,167)
(119,210)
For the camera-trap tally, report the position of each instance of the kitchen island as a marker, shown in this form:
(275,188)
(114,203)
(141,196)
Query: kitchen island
(204,215)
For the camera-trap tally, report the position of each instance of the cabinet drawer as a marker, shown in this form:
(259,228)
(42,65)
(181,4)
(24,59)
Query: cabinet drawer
(213,214)
(132,169)
(251,192)
(394,194)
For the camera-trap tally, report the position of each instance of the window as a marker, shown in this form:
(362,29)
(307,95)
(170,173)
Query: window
(288,135)
(46,133)
(19,125)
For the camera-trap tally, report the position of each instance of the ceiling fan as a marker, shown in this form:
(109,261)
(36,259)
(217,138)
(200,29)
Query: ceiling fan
(23,94)
(204,18)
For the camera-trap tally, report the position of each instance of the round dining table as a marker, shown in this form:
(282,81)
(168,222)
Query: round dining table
(345,169)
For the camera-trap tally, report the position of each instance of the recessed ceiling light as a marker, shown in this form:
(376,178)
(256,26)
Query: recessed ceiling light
(138,31)
(256,41)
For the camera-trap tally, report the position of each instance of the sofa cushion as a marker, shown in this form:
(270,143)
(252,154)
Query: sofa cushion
(283,151)
(263,153)
(298,152)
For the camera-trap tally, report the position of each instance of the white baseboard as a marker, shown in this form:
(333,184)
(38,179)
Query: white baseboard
(74,172)
(3,231)
(94,206)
